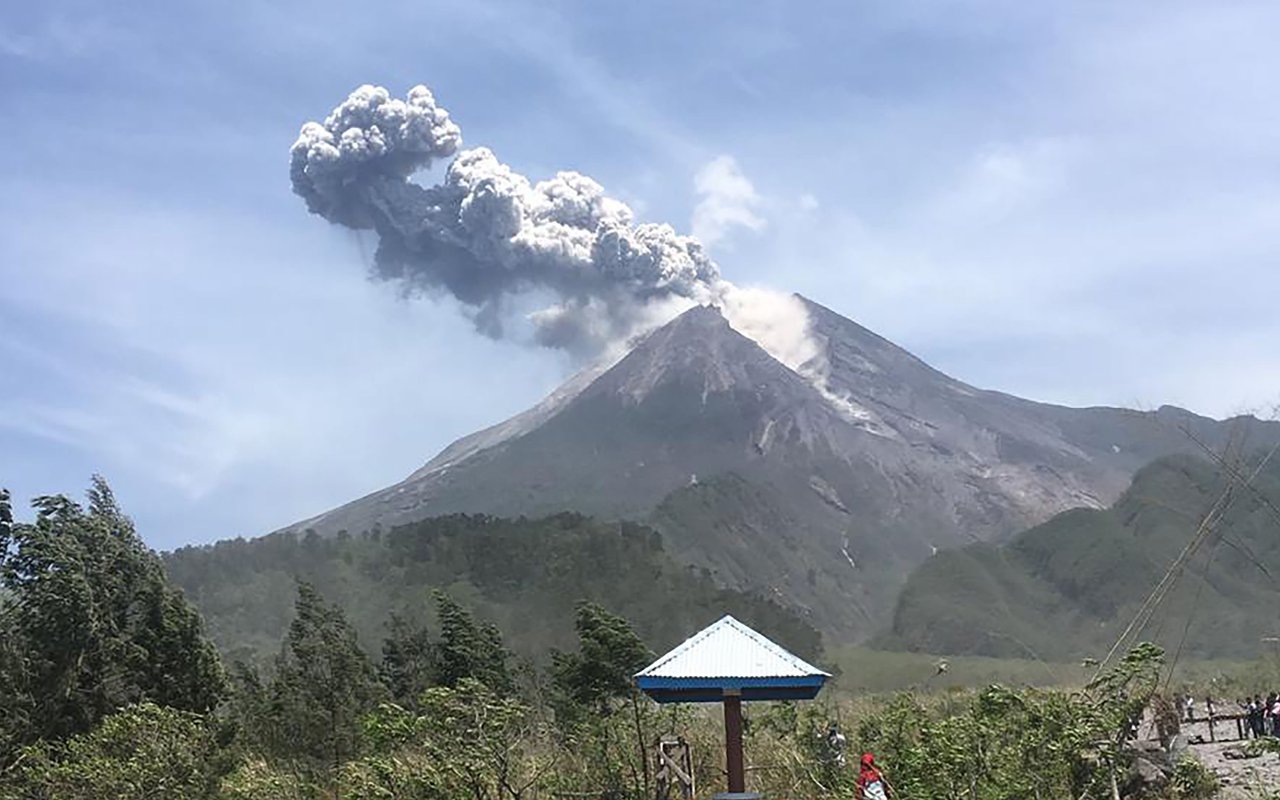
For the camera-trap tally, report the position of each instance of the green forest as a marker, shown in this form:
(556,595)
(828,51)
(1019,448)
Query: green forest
(1065,589)
(524,575)
(110,686)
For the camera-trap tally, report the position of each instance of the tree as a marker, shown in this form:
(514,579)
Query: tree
(609,654)
(324,684)
(15,703)
(6,521)
(408,661)
(98,624)
(468,650)
(586,684)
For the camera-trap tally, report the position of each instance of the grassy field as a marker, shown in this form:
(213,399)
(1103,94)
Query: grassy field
(867,671)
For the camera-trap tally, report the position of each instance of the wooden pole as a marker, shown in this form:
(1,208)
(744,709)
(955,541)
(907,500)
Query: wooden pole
(733,743)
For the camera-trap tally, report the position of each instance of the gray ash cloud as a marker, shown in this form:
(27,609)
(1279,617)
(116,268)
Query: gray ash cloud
(487,234)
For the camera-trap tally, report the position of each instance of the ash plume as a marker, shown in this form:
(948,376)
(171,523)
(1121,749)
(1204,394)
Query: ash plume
(487,234)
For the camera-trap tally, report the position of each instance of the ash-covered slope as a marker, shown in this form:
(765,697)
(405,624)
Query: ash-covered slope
(824,488)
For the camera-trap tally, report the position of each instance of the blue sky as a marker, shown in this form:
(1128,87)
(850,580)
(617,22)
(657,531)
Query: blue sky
(1077,203)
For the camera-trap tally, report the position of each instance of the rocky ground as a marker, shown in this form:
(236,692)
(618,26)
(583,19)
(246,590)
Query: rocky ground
(1242,778)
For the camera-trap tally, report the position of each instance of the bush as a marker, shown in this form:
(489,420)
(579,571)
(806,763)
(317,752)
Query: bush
(144,751)
(1193,780)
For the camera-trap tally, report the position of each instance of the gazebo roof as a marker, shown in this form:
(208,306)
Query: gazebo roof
(727,657)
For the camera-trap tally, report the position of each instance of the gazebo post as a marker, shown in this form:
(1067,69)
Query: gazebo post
(727,663)
(733,740)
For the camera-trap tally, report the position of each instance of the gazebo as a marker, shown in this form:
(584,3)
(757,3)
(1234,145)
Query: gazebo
(727,662)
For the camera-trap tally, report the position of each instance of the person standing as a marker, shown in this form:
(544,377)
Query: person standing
(835,745)
(1275,717)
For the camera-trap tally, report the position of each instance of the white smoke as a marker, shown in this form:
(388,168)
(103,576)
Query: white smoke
(776,321)
(780,324)
(488,235)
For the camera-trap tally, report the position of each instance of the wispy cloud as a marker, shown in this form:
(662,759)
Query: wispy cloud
(56,34)
(726,200)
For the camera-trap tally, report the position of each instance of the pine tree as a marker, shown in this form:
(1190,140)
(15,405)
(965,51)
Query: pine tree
(98,624)
(408,661)
(6,522)
(468,650)
(15,702)
(609,654)
(324,684)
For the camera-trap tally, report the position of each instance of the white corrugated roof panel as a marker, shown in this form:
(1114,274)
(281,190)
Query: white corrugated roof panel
(729,649)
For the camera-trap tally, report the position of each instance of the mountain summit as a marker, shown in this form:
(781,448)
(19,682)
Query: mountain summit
(822,485)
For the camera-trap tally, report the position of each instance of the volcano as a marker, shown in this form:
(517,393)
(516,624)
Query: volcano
(821,486)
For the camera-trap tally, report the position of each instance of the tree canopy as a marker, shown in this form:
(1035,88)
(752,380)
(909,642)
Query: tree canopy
(90,622)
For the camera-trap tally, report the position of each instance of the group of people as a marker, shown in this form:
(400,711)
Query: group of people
(1262,717)
(1187,705)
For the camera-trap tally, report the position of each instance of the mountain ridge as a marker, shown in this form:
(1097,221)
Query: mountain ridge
(1066,588)
(870,458)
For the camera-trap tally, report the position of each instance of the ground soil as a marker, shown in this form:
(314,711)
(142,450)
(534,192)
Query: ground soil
(1242,779)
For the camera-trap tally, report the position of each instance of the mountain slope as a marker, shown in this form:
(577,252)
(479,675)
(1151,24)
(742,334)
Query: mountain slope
(824,485)
(1068,587)
(525,575)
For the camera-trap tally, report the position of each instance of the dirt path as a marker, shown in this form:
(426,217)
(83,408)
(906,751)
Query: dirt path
(1242,779)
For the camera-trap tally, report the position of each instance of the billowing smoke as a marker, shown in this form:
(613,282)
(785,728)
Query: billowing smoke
(486,234)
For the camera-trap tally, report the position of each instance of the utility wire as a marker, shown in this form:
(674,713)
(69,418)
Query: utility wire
(1235,478)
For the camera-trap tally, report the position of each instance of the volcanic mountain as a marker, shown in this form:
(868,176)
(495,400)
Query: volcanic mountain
(822,486)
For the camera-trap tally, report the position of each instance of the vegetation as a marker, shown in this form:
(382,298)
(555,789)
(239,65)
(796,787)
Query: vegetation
(90,624)
(448,713)
(1067,588)
(523,575)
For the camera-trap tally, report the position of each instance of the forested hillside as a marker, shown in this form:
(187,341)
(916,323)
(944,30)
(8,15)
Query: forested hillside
(525,575)
(1066,589)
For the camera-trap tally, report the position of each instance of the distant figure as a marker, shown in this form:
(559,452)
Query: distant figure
(1256,716)
(1191,709)
(871,782)
(1210,710)
(836,744)
(1275,717)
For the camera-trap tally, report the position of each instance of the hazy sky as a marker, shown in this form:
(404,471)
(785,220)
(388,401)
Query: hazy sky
(1074,202)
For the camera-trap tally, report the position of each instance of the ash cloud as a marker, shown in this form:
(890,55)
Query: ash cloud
(487,234)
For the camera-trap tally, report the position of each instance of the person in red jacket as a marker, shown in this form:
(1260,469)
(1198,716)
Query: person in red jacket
(871,782)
